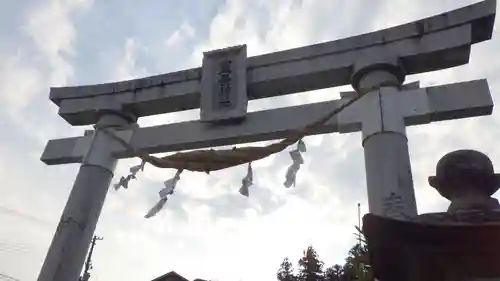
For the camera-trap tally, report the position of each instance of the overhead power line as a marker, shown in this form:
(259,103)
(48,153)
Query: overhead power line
(7,277)
(8,246)
(19,214)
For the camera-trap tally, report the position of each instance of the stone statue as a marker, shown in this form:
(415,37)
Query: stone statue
(467,179)
(460,244)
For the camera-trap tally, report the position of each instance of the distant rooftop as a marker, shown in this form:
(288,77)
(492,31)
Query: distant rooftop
(173,276)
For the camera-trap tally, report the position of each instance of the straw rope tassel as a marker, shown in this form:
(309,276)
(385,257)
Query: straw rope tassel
(247,181)
(168,190)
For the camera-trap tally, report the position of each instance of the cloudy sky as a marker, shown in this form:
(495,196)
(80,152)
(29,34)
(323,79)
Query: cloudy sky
(207,230)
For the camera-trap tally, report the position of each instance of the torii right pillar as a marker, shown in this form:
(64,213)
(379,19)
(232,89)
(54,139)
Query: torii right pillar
(387,160)
(382,115)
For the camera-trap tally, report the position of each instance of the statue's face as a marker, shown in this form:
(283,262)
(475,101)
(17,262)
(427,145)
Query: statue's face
(466,185)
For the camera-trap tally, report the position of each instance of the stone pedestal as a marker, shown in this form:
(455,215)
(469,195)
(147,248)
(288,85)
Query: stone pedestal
(461,244)
(421,250)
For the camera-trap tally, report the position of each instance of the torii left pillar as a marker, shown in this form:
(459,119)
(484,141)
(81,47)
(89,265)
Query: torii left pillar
(71,241)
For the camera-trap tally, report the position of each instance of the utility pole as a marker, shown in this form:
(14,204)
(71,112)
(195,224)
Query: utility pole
(88,262)
(359,224)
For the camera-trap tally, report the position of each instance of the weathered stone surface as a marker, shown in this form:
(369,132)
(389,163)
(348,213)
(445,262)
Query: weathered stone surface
(444,102)
(66,255)
(279,123)
(224,85)
(416,251)
(389,177)
(473,217)
(466,178)
(424,54)
(410,86)
(421,46)
(460,244)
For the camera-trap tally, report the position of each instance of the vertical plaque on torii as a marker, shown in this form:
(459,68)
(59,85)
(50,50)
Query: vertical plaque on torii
(223,94)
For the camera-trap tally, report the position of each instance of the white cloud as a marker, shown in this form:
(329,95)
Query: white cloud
(19,82)
(43,61)
(50,27)
(235,25)
(185,31)
(126,67)
(40,59)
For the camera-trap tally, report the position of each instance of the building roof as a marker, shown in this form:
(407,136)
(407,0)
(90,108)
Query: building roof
(171,276)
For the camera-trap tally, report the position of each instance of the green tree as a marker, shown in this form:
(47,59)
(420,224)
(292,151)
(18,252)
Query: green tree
(356,266)
(310,266)
(286,272)
(334,273)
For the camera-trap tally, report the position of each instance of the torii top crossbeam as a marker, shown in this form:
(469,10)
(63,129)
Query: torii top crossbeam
(419,45)
(429,44)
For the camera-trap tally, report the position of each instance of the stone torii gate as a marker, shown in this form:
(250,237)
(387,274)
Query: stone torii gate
(375,64)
